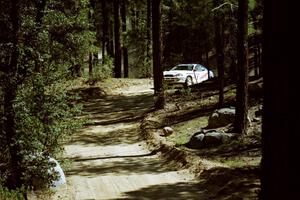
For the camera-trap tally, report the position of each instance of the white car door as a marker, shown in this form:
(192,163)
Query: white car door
(200,73)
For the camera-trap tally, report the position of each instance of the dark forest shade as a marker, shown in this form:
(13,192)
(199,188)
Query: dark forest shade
(241,121)
(157,68)
(105,36)
(124,48)
(118,54)
(10,92)
(148,30)
(280,177)
(219,45)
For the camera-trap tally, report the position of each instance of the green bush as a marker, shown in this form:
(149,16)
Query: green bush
(44,121)
(6,194)
(103,70)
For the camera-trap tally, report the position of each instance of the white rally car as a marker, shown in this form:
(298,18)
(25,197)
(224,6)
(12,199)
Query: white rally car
(187,74)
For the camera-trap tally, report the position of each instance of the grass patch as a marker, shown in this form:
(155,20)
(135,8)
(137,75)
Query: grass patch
(241,161)
(184,130)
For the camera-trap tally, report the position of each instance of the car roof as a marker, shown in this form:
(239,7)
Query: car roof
(187,64)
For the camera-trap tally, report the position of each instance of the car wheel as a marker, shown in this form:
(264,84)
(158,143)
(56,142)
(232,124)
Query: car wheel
(188,81)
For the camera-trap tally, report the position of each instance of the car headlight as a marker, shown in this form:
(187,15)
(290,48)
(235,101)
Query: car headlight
(179,74)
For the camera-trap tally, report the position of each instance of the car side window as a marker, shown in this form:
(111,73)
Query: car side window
(198,68)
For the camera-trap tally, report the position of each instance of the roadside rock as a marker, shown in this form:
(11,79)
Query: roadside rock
(221,117)
(209,139)
(167,131)
(213,139)
(196,141)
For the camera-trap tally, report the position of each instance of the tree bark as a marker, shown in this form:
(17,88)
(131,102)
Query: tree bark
(255,62)
(124,29)
(118,54)
(10,92)
(219,44)
(105,37)
(90,15)
(157,70)
(280,168)
(90,65)
(148,30)
(241,122)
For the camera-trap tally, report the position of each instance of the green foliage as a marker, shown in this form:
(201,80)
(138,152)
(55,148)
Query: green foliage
(44,120)
(43,112)
(103,70)
(6,194)
(146,70)
(71,37)
(187,31)
(252,4)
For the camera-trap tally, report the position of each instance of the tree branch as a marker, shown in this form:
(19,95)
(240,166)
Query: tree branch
(223,4)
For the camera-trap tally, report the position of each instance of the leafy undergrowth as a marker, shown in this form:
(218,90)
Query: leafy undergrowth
(186,112)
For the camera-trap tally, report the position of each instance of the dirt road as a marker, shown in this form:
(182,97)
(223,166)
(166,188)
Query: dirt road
(110,161)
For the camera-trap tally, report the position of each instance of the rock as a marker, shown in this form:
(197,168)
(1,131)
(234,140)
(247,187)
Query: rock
(196,141)
(213,139)
(167,131)
(221,117)
(54,169)
(209,139)
(61,179)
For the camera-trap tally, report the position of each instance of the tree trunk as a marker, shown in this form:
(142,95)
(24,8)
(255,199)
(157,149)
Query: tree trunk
(9,93)
(90,65)
(219,44)
(255,61)
(110,45)
(148,43)
(90,15)
(259,59)
(241,121)
(124,28)
(118,54)
(157,70)
(105,36)
(280,168)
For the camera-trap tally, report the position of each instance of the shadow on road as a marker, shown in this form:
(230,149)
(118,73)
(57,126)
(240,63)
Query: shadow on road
(217,183)
(111,119)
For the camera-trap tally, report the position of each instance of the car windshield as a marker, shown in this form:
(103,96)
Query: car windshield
(183,67)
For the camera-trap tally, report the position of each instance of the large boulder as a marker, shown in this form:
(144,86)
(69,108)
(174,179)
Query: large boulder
(196,141)
(54,170)
(61,178)
(209,139)
(221,117)
(213,138)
